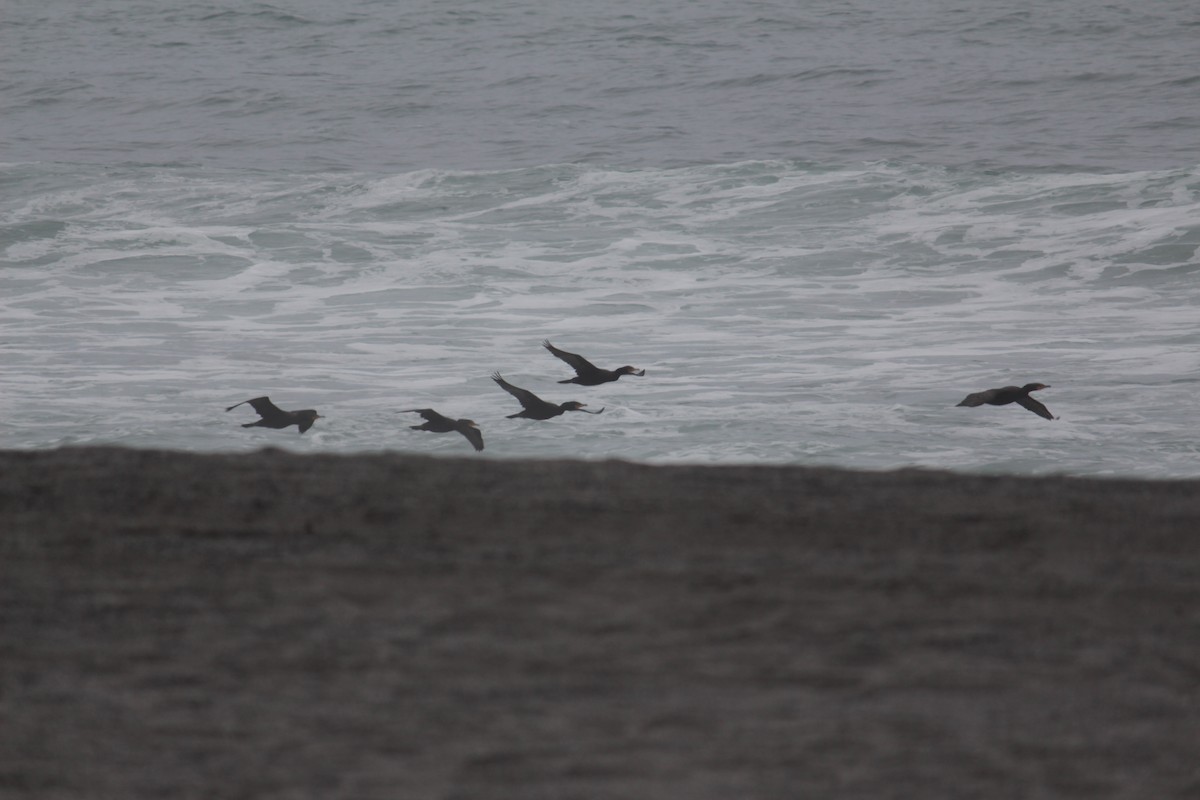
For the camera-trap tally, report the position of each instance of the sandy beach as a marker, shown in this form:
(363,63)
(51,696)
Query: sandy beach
(395,626)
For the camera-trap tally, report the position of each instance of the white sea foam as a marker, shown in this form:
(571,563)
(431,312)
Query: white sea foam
(783,314)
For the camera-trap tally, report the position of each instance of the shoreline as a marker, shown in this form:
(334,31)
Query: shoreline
(387,625)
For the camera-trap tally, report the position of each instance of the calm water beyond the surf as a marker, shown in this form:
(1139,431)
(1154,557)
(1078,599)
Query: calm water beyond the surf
(817,226)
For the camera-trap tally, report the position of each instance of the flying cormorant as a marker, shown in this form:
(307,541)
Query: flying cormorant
(1010,394)
(587,373)
(275,417)
(437,423)
(534,406)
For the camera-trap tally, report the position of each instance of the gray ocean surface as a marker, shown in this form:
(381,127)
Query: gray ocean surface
(816,226)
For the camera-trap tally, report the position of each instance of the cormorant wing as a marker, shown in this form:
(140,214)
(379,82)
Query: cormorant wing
(305,423)
(473,434)
(577,362)
(428,414)
(1035,407)
(263,405)
(525,397)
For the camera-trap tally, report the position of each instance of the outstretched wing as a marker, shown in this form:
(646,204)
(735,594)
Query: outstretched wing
(428,414)
(474,436)
(577,362)
(263,405)
(525,397)
(1035,407)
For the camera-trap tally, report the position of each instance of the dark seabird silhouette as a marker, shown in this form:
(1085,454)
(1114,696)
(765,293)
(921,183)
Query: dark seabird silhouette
(437,423)
(275,417)
(534,406)
(587,373)
(1010,394)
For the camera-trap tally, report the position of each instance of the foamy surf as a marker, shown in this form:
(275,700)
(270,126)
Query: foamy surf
(784,313)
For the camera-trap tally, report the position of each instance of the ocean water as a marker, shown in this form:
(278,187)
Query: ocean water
(816,226)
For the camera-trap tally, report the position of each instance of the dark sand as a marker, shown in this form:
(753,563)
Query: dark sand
(284,626)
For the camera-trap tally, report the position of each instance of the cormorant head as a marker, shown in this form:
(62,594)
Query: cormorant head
(573,405)
(307,417)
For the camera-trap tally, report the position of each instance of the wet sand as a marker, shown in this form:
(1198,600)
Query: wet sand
(393,626)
